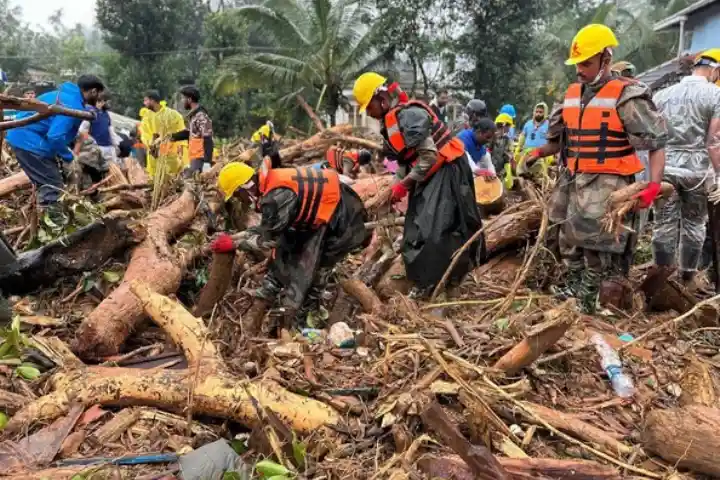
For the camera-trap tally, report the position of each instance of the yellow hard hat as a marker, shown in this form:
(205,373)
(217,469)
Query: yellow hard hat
(711,54)
(260,132)
(233,176)
(504,118)
(365,87)
(589,41)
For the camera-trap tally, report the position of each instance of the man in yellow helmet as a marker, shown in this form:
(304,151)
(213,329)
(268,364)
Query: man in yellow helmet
(310,218)
(601,124)
(264,139)
(692,108)
(442,214)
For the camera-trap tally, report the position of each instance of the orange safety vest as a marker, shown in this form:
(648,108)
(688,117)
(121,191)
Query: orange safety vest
(597,141)
(335,156)
(317,190)
(449,147)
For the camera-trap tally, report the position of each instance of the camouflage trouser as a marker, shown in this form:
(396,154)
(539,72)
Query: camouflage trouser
(681,221)
(591,255)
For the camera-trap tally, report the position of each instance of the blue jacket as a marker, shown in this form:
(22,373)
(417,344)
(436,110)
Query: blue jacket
(535,137)
(50,137)
(477,152)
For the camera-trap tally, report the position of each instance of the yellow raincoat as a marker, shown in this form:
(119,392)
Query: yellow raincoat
(164,123)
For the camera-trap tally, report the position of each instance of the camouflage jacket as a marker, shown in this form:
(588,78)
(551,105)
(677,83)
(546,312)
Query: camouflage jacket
(91,156)
(644,124)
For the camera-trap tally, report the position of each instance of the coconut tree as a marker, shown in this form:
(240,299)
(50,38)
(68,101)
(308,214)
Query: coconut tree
(312,48)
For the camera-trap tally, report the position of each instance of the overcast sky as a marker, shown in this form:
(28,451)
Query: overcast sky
(36,12)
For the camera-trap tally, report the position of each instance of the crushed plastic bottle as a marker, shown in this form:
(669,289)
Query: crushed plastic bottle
(621,382)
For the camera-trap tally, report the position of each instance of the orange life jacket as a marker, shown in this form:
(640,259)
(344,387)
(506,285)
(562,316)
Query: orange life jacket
(335,156)
(317,190)
(449,147)
(596,138)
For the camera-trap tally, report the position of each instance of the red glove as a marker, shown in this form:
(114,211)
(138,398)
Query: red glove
(484,173)
(647,196)
(222,244)
(399,191)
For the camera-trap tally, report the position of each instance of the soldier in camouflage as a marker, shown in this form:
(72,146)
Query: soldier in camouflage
(598,166)
(91,163)
(692,109)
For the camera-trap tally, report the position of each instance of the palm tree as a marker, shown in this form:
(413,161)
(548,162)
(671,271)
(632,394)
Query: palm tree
(313,48)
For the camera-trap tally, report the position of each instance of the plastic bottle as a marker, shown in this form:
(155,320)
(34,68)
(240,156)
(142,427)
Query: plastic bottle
(621,382)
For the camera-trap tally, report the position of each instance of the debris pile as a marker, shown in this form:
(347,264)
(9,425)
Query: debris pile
(130,355)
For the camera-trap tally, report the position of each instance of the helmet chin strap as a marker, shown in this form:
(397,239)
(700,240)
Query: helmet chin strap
(606,54)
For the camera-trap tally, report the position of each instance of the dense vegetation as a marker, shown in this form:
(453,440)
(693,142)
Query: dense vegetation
(252,58)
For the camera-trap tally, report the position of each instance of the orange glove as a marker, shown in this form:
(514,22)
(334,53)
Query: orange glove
(647,196)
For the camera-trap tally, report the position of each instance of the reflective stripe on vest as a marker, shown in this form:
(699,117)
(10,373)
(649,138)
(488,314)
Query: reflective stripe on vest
(197,148)
(448,147)
(596,138)
(318,192)
(335,156)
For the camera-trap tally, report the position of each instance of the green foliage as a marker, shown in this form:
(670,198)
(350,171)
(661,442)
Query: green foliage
(270,470)
(3,420)
(309,47)
(12,344)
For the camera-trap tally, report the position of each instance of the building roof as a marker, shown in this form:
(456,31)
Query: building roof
(667,73)
(682,15)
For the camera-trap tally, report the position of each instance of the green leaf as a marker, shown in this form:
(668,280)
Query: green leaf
(48,221)
(268,469)
(77,477)
(231,476)
(502,323)
(238,445)
(111,277)
(28,371)
(3,420)
(299,452)
(89,283)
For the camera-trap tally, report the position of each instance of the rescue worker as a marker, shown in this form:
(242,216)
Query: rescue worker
(162,123)
(91,164)
(532,136)
(39,146)
(510,110)
(605,119)
(29,93)
(264,138)
(441,214)
(692,109)
(501,149)
(199,132)
(475,141)
(309,217)
(347,161)
(101,130)
(439,105)
(623,69)
(474,111)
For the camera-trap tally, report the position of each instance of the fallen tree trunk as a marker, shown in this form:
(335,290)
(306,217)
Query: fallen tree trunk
(14,182)
(105,330)
(212,389)
(136,174)
(219,278)
(663,294)
(79,252)
(542,337)
(452,467)
(686,437)
(313,147)
(512,229)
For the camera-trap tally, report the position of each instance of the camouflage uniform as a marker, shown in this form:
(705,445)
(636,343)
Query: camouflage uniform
(689,106)
(578,202)
(91,163)
(500,152)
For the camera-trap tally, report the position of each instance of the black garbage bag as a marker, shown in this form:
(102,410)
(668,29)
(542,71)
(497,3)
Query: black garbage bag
(300,254)
(441,217)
